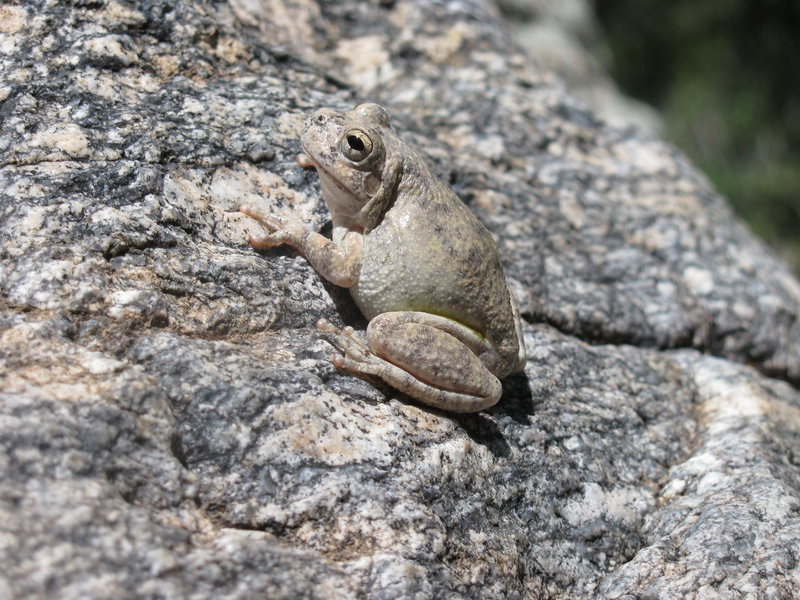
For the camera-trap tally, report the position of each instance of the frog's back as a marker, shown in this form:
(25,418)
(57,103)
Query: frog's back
(431,254)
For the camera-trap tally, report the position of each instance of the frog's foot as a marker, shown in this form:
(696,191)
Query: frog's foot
(420,360)
(282,230)
(352,350)
(270,222)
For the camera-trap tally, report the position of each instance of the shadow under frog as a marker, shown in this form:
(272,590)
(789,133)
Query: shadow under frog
(443,326)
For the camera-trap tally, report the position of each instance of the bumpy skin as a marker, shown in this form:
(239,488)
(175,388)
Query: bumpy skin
(424,271)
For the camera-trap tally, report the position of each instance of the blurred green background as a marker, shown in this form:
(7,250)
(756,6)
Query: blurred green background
(725,75)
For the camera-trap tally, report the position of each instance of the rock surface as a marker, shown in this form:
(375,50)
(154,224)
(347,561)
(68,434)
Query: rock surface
(564,37)
(171,426)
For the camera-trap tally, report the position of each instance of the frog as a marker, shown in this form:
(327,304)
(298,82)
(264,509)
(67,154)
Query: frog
(442,324)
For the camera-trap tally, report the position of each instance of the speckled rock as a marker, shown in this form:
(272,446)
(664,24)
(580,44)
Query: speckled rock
(171,426)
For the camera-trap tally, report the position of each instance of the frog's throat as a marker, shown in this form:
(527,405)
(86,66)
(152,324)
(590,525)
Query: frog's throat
(372,212)
(342,203)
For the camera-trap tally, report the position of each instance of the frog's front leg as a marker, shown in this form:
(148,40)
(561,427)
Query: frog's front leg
(430,358)
(339,264)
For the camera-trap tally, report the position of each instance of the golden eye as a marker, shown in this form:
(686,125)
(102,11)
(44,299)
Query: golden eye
(356,145)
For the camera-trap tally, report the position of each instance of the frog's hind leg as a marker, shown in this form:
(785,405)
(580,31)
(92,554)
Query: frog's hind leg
(414,353)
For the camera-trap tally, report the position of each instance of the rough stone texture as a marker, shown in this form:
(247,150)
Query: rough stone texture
(170,424)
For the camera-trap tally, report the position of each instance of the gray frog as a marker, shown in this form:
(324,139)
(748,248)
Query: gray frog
(443,326)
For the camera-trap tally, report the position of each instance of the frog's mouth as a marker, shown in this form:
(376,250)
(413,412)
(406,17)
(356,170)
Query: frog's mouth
(343,204)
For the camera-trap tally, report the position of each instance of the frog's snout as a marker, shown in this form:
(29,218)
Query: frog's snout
(320,118)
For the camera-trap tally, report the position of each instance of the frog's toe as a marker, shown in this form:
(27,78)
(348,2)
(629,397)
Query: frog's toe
(353,347)
(354,364)
(325,326)
(264,242)
(347,341)
(271,222)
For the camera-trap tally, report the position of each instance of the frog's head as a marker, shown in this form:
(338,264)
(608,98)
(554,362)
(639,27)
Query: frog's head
(351,151)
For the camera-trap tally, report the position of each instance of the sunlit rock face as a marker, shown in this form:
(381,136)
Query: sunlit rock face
(171,425)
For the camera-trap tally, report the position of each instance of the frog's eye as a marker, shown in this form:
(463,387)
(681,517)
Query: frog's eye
(356,145)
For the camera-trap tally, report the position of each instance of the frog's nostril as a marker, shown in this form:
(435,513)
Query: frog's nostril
(320,118)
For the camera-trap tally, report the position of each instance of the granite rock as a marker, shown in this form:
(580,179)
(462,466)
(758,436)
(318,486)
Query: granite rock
(171,425)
